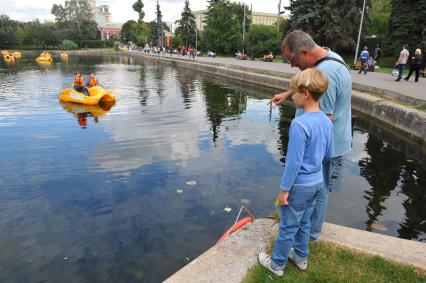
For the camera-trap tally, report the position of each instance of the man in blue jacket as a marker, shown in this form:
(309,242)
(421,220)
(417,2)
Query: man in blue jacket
(363,57)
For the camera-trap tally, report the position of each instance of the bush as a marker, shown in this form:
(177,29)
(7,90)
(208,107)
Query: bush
(92,44)
(68,45)
(262,39)
(110,43)
(116,46)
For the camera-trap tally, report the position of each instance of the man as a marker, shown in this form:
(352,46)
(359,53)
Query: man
(363,57)
(302,51)
(402,61)
(377,54)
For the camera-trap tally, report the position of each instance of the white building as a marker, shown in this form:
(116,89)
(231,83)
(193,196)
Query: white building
(257,18)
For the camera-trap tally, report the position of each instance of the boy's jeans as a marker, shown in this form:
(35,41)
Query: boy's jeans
(332,170)
(295,225)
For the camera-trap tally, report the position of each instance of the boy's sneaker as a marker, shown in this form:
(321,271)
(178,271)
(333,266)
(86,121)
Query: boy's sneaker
(302,265)
(266,261)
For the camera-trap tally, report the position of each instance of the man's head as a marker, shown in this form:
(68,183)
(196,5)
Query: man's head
(297,47)
(308,85)
(365,48)
(92,76)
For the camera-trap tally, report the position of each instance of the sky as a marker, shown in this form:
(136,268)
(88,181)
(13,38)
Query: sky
(27,10)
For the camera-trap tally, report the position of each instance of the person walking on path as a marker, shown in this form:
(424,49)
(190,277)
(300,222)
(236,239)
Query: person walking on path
(310,144)
(377,54)
(402,61)
(415,65)
(364,58)
(301,51)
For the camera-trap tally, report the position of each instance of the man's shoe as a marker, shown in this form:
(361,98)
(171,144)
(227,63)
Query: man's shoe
(266,261)
(302,265)
(406,79)
(398,79)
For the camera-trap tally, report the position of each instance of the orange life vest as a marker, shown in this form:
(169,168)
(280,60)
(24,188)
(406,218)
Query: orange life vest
(93,82)
(78,81)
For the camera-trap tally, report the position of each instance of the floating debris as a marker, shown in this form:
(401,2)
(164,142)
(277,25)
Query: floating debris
(378,227)
(191,183)
(410,160)
(227,209)
(244,201)
(187,258)
(65,258)
(179,191)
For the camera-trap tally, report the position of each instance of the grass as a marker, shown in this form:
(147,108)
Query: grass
(331,263)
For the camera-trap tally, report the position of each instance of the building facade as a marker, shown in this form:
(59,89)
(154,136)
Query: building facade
(106,27)
(257,18)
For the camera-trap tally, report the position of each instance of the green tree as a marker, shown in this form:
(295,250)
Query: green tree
(138,7)
(261,39)
(76,18)
(7,31)
(332,23)
(128,31)
(176,41)
(378,18)
(211,3)
(223,32)
(186,26)
(407,25)
(159,27)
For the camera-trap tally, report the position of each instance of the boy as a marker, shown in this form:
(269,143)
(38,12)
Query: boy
(310,144)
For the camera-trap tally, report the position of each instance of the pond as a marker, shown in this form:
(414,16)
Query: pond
(134,191)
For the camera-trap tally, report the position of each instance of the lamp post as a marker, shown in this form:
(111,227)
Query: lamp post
(244,24)
(196,37)
(359,32)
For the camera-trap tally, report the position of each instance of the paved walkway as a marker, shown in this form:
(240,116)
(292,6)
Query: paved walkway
(373,81)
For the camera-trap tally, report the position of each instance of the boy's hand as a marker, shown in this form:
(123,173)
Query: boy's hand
(282,198)
(280,98)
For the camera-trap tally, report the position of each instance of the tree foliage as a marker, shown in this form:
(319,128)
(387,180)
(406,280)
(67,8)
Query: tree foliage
(261,39)
(223,32)
(138,7)
(7,31)
(128,31)
(186,26)
(407,25)
(378,18)
(76,18)
(332,23)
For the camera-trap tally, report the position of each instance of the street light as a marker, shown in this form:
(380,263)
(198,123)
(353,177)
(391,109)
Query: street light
(359,33)
(196,39)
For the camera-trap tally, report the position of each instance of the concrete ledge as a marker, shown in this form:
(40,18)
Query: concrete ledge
(404,118)
(396,249)
(230,260)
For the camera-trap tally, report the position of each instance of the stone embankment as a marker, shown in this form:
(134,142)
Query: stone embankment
(229,261)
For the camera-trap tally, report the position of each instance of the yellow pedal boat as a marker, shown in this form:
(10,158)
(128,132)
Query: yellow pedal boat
(97,95)
(45,58)
(17,54)
(8,57)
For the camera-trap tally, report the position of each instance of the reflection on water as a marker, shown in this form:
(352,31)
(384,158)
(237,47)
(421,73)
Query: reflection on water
(113,203)
(82,111)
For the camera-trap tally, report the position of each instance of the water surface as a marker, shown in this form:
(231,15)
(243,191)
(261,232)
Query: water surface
(134,191)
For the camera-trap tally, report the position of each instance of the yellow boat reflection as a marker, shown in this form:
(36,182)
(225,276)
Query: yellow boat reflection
(82,112)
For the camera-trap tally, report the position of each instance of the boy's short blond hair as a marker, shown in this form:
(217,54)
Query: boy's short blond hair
(312,80)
